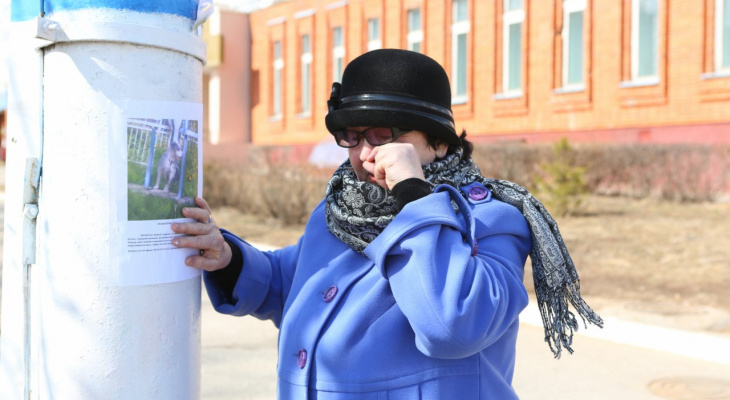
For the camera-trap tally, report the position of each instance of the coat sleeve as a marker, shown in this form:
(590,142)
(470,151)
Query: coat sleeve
(456,276)
(263,285)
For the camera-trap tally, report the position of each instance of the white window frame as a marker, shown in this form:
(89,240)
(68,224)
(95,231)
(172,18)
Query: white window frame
(569,7)
(374,42)
(635,78)
(338,54)
(278,81)
(415,34)
(458,28)
(510,18)
(306,76)
(719,42)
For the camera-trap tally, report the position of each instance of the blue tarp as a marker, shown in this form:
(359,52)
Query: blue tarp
(328,154)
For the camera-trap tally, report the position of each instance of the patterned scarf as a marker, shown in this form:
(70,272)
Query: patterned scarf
(356,212)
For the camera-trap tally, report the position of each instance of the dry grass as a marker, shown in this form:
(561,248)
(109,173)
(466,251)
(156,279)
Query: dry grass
(648,250)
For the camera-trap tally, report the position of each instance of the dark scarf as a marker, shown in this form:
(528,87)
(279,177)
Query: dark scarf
(356,213)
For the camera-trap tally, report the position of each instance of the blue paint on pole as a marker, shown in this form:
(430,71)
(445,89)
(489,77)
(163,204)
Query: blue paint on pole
(150,159)
(23,10)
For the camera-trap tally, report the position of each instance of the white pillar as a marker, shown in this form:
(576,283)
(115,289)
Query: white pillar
(23,142)
(82,337)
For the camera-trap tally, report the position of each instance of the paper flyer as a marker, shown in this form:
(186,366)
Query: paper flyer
(156,160)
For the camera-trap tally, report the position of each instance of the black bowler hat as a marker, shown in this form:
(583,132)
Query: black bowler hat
(393,88)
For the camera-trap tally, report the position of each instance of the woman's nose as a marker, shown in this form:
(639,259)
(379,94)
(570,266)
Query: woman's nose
(365,149)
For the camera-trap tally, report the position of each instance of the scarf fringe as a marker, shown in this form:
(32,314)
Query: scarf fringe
(555,277)
(558,321)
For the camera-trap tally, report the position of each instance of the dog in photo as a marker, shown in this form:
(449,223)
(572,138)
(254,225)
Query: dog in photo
(168,166)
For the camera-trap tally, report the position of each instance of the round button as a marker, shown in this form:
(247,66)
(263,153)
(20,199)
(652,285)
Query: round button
(330,294)
(302,358)
(478,193)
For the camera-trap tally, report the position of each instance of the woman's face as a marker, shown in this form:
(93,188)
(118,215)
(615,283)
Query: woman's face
(360,153)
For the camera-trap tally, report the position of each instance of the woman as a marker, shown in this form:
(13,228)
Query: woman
(407,281)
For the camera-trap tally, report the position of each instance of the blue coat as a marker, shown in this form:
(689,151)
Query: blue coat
(429,312)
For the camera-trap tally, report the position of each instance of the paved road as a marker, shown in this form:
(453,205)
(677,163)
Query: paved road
(239,361)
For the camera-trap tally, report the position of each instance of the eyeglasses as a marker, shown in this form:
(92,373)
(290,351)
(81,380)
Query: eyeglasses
(376,136)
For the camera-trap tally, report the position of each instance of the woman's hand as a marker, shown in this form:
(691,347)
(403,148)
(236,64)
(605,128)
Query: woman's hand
(214,252)
(392,163)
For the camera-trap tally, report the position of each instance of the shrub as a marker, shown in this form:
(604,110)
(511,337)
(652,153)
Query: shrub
(287,192)
(679,172)
(558,173)
(519,163)
(562,186)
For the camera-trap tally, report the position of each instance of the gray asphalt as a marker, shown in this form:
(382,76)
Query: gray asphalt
(627,360)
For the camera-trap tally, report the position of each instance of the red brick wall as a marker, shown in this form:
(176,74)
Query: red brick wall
(687,104)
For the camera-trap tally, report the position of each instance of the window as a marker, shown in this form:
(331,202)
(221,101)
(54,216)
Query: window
(645,41)
(459,32)
(338,54)
(415,33)
(373,34)
(573,53)
(573,43)
(645,38)
(306,67)
(278,82)
(715,78)
(722,36)
(513,18)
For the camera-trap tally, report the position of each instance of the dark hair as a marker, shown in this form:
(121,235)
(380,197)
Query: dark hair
(465,145)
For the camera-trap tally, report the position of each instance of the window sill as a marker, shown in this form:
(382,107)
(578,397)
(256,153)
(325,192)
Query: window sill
(276,118)
(715,86)
(508,95)
(640,83)
(644,92)
(715,75)
(459,100)
(570,89)
(510,104)
(304,115)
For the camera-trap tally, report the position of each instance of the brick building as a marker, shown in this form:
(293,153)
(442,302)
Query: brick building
(226,85)
(521,70)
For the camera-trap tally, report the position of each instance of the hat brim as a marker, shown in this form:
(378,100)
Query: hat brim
(343,118)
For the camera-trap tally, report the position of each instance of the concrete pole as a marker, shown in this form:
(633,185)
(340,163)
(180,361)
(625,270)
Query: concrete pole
(67,333)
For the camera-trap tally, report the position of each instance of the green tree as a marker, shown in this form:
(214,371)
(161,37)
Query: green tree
(563,187)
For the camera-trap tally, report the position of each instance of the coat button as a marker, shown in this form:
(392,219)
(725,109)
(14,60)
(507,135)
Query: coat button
(478,193)
(302,358)
(330,294)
